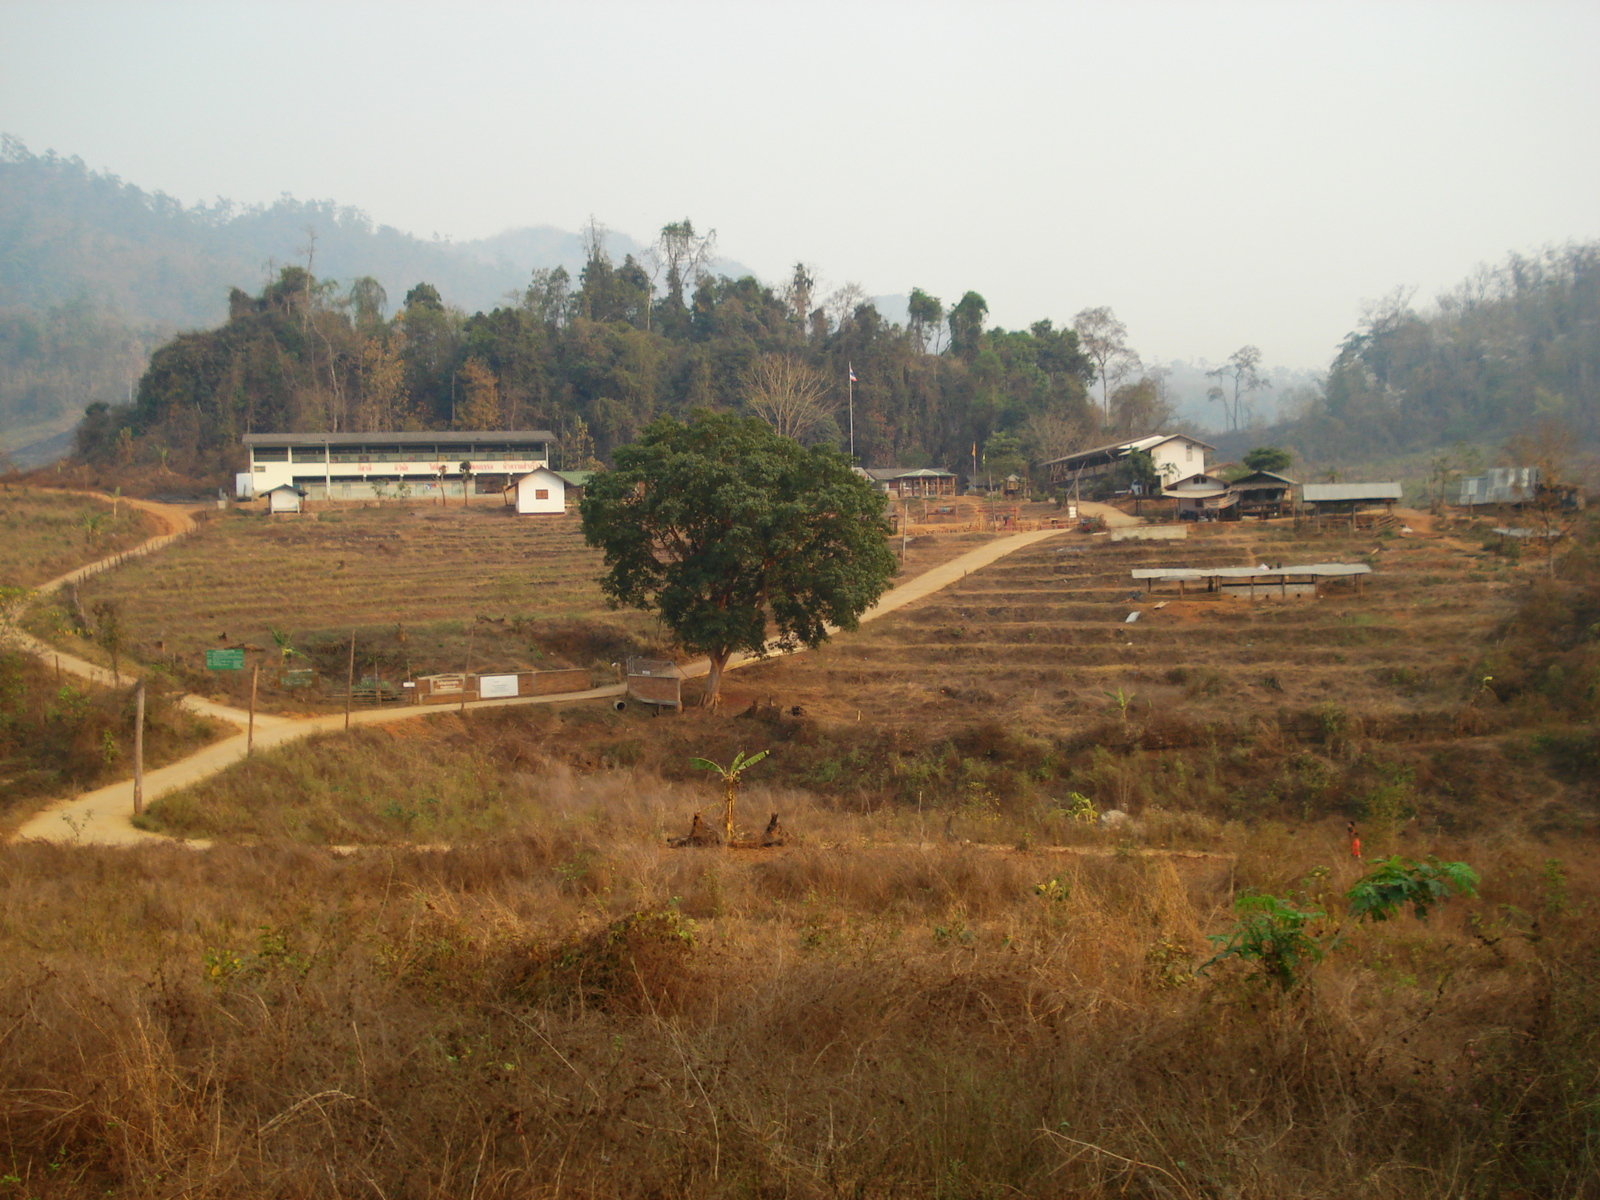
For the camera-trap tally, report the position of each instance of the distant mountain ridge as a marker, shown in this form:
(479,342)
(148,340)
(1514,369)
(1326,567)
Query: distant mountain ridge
(88,262)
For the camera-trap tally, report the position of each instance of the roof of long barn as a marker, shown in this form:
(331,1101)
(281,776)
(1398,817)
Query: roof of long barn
(439,437)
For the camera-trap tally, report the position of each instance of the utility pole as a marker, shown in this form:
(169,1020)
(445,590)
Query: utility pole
(850,387)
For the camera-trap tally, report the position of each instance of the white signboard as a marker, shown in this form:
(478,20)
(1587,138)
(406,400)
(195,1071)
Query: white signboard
(493,686)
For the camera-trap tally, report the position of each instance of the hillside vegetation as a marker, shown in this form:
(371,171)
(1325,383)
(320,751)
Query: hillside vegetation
(1510,348)
(947,982)
(96,273)
(44,534)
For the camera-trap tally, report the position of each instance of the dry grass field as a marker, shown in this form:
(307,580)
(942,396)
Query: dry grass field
(61,735)
(574,1011)
(45,534)
(425,589)
(1043,635)
(454,957)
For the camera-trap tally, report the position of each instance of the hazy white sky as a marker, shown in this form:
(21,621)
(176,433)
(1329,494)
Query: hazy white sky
(1218,173)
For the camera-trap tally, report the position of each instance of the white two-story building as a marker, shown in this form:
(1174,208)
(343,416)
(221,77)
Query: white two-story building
(360,466)
(1175,456)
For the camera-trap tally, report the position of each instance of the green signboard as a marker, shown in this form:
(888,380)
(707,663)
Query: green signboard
(224,660)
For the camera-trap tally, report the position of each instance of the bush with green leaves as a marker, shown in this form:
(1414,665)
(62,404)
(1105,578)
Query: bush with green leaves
(1398,881)
(1272,936)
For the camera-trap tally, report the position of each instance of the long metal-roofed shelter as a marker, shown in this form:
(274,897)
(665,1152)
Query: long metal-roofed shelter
(362,465)
(1349,499)
(1215,578)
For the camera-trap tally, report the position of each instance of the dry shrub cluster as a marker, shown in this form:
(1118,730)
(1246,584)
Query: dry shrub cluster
(577,1013)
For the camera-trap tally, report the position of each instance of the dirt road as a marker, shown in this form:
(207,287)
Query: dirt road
(103,816)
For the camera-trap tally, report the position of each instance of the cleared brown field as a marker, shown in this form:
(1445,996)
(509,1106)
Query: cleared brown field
(1042,637)
(425,589)
(946,985)
(44,534)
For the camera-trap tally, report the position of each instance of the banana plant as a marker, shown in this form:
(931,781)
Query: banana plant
(730,775)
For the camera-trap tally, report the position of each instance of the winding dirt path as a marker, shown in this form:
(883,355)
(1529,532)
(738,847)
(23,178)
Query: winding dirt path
(103,816)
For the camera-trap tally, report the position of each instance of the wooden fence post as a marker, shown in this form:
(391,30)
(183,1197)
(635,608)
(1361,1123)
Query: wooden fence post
(350,680)
(250,734)
(138,749)
(466,672)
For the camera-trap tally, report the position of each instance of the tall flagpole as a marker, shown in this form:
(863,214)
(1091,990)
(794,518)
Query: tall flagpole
(850,387)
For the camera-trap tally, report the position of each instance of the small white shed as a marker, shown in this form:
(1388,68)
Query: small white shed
(285,498)
(539,491)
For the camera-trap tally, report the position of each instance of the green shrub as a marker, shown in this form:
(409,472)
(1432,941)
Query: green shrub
(1271,937)
(1397,881)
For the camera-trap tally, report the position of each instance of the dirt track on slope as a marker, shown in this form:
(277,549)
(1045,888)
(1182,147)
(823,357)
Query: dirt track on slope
(103,816)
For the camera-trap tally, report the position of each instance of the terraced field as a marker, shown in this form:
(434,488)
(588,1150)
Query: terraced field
(426,590)
(422,588)
(46,533)
(1041,639)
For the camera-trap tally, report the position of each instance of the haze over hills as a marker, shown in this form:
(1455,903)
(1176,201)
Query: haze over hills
(96,274)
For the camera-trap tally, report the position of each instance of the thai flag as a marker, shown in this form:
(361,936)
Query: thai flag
(852,371)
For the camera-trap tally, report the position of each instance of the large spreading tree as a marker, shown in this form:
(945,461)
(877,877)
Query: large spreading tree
(738,538)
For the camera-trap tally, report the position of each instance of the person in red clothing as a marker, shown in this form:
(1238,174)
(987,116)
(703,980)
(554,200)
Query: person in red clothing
(1355,841)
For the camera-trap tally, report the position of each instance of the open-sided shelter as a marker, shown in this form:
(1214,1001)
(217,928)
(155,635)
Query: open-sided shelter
(1263,494)
(1349,498)
(913,481)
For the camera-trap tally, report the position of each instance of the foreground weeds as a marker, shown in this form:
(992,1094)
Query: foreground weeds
(575,1012)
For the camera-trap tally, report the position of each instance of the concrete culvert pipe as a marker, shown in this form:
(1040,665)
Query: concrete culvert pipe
(619,705)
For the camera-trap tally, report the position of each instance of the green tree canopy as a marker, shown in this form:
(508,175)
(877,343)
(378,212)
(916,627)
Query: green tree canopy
(731,533)
(1268,458)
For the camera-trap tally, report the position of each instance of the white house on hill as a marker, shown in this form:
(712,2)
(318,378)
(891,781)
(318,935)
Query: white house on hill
(541,491)
(1176,457)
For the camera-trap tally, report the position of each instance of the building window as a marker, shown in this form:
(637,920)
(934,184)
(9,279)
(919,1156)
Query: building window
(271,454)
(1188,452)
(541,493)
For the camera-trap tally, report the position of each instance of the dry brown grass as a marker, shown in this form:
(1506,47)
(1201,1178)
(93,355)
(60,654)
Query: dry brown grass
(575,1011)
(60,734)
(46,534)
(1042,635)
(427,590)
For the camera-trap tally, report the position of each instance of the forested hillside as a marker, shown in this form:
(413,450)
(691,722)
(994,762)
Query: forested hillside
(1511,348)
(598,357)
(95,273)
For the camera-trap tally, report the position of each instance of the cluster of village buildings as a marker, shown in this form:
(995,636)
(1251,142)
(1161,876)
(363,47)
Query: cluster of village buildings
(289,468)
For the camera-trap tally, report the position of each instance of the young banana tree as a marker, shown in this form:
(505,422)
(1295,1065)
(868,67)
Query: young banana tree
(730,783)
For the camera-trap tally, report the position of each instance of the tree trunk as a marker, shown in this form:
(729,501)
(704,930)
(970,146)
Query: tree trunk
(719,661)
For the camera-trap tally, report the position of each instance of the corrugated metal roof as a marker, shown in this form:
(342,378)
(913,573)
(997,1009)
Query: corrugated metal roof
(440,437)
(1500,485)
(887,473)
(1173,574)
(1255,475)
(1144,443)
(1329,493)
